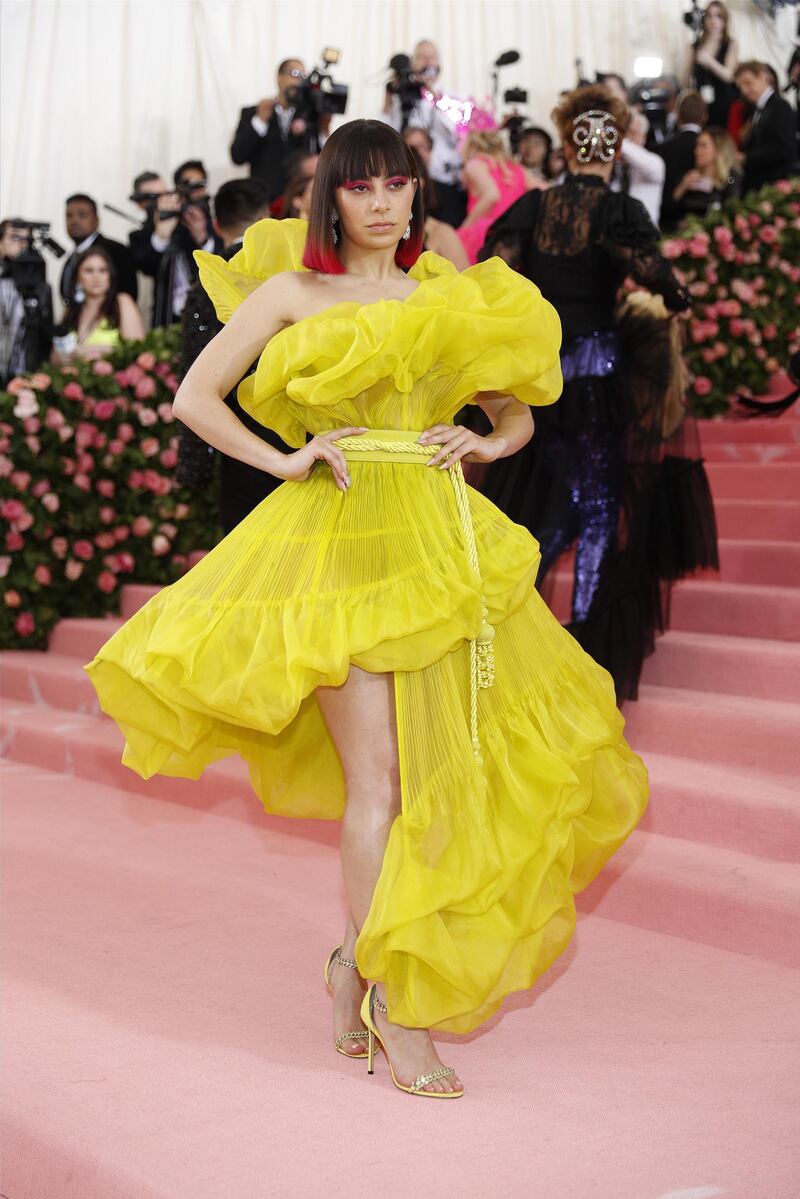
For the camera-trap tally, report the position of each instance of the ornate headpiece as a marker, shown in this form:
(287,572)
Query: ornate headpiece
(596,135)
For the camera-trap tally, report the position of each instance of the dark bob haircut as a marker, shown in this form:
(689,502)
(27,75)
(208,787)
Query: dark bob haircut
(358,150)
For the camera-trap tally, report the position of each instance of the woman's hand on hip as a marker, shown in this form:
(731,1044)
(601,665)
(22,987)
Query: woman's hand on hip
(460,443)
(298,466)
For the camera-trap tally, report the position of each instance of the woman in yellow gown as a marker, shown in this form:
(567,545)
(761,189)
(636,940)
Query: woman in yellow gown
(369,639)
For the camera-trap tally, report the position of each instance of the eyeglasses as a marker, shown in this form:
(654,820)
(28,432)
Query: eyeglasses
(295,73)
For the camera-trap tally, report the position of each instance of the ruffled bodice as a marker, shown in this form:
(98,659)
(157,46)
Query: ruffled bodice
(402,364)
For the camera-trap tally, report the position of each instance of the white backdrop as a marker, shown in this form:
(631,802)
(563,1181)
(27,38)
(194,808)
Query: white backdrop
(93,91)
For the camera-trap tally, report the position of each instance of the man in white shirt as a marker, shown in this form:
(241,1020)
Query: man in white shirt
(645,170)
(445,162)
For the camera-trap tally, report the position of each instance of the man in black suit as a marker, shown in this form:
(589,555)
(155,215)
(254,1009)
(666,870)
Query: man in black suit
(678,155)
(83,226)
(770,151)
(272,131)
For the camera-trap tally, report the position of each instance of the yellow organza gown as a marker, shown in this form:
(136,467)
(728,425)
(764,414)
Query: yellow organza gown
(475,896)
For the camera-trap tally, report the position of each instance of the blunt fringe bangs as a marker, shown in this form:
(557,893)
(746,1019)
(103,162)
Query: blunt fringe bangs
(358,150)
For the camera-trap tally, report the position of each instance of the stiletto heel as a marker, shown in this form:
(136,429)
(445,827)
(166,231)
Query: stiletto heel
(335,959)
(368,1005)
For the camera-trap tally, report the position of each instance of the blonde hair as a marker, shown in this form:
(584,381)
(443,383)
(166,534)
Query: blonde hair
(486,141)
(726,157)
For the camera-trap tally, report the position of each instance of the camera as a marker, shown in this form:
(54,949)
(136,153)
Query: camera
(185,191)
(406,84)
(694,18)
(318,95)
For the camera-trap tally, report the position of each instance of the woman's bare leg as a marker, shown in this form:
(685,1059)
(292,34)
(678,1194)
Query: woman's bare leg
(361,719)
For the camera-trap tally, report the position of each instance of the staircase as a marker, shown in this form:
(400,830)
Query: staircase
(715,859)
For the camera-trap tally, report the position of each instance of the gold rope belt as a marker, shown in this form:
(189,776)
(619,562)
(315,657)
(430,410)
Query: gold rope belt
(401,445)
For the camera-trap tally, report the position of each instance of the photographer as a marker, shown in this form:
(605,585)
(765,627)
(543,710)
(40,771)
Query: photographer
(26,304)
(181,225)
(274,130)
(405,108)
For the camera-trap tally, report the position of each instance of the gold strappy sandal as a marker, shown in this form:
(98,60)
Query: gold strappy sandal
(371,1001)
(336,959)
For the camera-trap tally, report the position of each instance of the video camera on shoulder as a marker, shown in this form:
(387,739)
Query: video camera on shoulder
(28,269)
(318,94)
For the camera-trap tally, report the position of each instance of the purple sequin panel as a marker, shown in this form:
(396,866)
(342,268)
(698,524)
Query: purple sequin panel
(591,357)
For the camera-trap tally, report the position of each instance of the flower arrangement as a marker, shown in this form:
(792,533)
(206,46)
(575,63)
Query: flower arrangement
(87,493)
(741,265)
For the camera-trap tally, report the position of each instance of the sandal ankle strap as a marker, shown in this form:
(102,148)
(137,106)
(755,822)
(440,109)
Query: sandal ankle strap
(345,961)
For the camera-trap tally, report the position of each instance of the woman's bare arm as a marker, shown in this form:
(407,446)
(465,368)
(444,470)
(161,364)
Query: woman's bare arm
(480,182)
(131,322)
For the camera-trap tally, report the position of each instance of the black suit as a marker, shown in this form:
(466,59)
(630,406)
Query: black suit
(771,149)
(266,156)
(123,264)
(678,155)
(145,258)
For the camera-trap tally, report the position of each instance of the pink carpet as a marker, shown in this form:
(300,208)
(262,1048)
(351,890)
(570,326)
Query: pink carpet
(167,1032)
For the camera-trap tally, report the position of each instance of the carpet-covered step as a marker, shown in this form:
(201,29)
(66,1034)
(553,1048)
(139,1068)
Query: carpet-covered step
(90,747)
(736,901)
(754,481)
(761,668)
(731,730)
(751,452)
(82,637)
(736,609)
(783,430)
(768,520)
(735,809)
(760,561)
(50,679)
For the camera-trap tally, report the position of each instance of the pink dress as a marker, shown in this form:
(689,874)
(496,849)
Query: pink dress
(511,183)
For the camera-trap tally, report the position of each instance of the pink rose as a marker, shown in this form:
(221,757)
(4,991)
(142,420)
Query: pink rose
(40,381)
(25,624)
(125,432)
(83,549)
(147,417)
(101,367)
(182,511)
(27,404)
(54,419)
(84,462)
(672,248)
(42,575)
(771,365)
(73,391)
(135,480)
(104,409)
(151,480)
(150,446)
(107,514)
(146,360)
(769,235)
(145,387)
(171,382)
(14,540)
(769,332)
(32,424)
(82,482)
(11,509)
(16,385)
(20,479)
(51,502)
(161,545)
(135,373)
(13,599)
(116,445)
(106,581)
(122,533)
(125,562)
(702,385)
(105,541)
(737,327)
(168,459)
(59,546)
(105,487)
(64,433)
(5,565)
(24,522)
(33,444)
(73,570)
(141,526)
(165,413)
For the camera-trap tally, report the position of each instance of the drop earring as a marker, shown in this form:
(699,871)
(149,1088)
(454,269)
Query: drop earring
(334,219)
(407,233)
(80,294)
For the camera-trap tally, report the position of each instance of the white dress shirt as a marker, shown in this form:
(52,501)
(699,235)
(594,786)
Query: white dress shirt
(646,176)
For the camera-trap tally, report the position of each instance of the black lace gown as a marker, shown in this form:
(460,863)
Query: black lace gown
(607,468)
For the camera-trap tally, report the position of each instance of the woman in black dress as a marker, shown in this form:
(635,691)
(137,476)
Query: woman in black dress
(604,467)
(714,58)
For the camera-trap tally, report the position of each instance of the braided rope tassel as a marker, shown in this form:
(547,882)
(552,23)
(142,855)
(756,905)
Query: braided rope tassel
(481,649)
